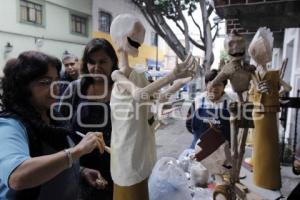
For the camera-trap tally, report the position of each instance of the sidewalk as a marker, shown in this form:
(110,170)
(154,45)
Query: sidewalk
(173,138)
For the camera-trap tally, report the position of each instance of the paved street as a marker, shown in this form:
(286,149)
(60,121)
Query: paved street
(173,138)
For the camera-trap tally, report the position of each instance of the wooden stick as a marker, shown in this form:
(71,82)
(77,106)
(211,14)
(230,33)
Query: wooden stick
(106,148)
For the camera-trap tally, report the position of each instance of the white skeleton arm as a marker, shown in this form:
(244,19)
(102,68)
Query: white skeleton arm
(182,70)
(165,95)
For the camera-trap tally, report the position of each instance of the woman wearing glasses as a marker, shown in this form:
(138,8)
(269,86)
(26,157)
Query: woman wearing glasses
(38,160)
(89,99)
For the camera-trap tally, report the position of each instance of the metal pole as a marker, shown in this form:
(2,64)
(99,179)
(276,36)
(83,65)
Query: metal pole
(283,117)
(156,43)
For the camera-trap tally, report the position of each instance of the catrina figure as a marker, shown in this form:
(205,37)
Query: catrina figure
(265,96)
(133,150)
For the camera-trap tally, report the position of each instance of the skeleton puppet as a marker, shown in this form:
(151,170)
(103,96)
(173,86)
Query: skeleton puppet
(240,74)
(265,97)
(133,152)
(236,70)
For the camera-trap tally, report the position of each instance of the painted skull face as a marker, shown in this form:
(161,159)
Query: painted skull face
(127,33)
(235,44)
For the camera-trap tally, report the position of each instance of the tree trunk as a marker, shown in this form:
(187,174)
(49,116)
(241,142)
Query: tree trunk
(208,59)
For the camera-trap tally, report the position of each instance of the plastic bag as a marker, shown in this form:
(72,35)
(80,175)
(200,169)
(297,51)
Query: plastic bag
(168,181)
(185,161)
(203,194)
(199,174)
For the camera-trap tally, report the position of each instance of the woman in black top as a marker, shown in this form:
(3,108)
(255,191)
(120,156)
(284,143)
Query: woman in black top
(89,99)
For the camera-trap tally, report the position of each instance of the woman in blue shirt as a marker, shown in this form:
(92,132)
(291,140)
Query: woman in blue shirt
(38,159)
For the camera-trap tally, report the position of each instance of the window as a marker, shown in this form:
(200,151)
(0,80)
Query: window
(154,39)
(31,12)
(104,21)
(79,24)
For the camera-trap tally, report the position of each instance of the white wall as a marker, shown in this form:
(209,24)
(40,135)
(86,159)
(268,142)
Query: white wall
(277,58)
(84,6)
(56,32)
(291,50)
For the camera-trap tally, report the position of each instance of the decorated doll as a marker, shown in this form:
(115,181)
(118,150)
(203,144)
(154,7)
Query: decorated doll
(240,73)
(133,151)
(265,97)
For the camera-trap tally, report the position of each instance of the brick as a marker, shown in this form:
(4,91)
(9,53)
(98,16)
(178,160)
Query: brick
(240,30)
(237,1)
(255,1)
(229,21)
(237,26)
(221,2)
(230,26)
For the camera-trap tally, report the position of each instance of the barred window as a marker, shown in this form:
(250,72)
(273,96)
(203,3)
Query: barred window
(79,24)
(31,12)
(105,19)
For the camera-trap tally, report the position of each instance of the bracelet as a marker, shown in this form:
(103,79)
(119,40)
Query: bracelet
(69,156)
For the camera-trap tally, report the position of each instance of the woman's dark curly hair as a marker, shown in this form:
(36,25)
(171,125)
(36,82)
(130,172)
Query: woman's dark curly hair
(18,74)
(95,45)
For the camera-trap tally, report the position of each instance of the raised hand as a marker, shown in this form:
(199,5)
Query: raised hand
(186,69)
(263,87)
(91,141)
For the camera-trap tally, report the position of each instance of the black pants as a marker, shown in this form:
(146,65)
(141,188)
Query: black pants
(295,194)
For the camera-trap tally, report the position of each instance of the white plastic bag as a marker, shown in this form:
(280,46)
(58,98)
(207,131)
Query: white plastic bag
(168,181)
(203,194)
(185,161)
(199,174)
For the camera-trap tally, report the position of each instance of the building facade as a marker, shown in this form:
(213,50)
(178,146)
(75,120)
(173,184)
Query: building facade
(50,26)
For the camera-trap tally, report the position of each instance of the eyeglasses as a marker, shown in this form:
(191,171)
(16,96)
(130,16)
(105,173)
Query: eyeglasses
(47,82)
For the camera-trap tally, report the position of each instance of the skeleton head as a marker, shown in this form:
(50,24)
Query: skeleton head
(235,44)
(260,48)
(127,33)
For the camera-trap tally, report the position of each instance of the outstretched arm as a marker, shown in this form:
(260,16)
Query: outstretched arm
(164,96)
(222,76)
(182,70)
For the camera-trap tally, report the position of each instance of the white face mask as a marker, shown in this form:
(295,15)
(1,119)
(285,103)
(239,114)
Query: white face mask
(127,33)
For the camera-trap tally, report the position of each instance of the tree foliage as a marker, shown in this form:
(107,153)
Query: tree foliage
(157,12)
